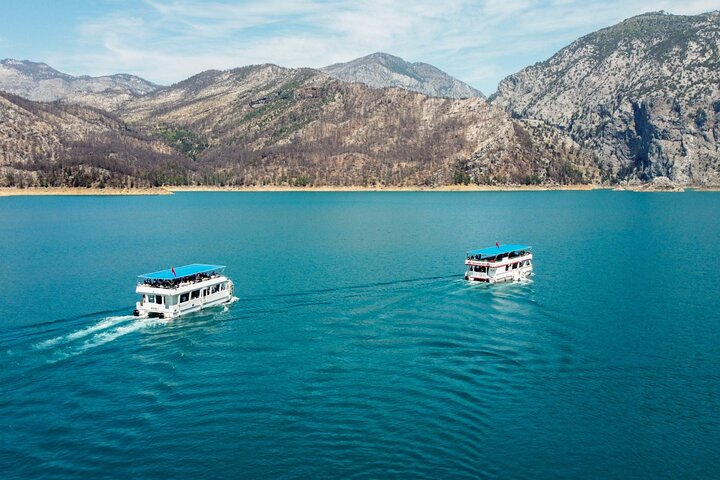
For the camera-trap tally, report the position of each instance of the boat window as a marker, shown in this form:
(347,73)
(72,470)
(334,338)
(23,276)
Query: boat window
(184,297)
(151,298)
(515,265)
(159,299)
(507,267)
(195,294)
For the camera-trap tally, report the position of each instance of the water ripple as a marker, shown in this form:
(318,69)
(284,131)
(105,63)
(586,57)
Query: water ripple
(413,373)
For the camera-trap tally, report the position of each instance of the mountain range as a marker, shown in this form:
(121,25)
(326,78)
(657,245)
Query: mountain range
(636,102)
(267,125)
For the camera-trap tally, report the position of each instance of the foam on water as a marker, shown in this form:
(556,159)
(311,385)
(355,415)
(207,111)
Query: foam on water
(109,335)
(103,324)
(226,307)
(102,332)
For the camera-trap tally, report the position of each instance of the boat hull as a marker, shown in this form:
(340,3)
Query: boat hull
(502,277)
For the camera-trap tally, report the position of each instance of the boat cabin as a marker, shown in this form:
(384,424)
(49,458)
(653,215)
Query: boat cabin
(501,263)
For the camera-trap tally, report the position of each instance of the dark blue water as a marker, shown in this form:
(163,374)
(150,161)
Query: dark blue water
(356,350)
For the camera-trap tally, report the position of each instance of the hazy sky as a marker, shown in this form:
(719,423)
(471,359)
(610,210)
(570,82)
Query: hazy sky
(479,41)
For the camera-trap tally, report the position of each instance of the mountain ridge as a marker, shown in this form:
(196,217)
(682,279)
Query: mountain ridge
(643,94)
(38,81)
(265,124)
(55,144)
(382,70)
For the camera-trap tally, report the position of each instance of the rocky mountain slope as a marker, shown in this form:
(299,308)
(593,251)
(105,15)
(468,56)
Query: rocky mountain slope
(40,82)
(381,70)
(55,144)
(270,125)
(644,95)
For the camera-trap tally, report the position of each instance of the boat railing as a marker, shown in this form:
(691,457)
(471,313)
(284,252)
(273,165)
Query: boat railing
(178,282)
(495,260)
(474,273)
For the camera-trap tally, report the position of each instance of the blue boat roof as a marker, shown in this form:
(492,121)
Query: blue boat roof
(184,271)
(494,251)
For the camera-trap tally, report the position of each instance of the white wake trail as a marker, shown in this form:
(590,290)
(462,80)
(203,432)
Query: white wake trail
(112,334)
(103,324)
(102,337)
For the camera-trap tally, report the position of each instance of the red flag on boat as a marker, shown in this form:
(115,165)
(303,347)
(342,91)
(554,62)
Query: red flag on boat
(173,270)
(496,244)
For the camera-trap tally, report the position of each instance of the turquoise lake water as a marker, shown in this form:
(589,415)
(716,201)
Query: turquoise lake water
(356,349)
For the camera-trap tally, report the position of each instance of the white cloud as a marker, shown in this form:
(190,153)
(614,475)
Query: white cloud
(479,41)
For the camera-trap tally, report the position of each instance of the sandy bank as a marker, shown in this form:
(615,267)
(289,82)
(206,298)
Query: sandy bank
(10,191)
(444,188)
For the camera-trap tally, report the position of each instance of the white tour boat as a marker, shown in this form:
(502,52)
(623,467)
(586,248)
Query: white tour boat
(177,291)
(501,263)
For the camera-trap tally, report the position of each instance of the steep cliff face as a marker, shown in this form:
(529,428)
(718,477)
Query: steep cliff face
(53,144)
(381,70)
(270,125)
(643,95)
(40,82)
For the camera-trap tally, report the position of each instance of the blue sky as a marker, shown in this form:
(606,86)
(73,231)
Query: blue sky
(478,41)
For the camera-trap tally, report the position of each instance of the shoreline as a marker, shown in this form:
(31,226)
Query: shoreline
(416,188)
(170,190)
(82,191)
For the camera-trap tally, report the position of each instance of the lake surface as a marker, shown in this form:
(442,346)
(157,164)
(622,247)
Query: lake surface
(356,349)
